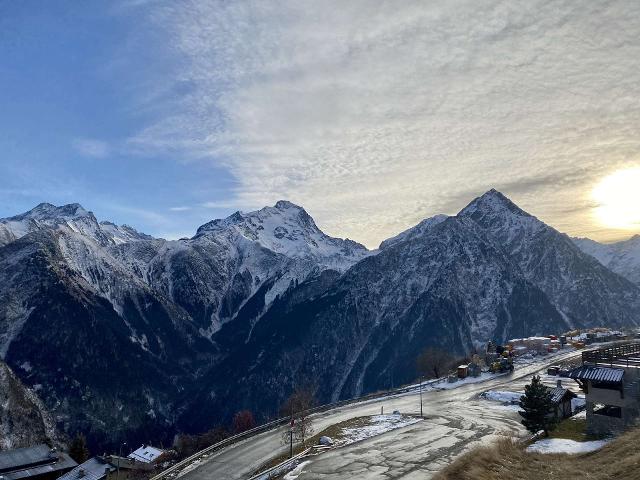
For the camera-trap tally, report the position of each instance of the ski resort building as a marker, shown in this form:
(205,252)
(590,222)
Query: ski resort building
(610,379)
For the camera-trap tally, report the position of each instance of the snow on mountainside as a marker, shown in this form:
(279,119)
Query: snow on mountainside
(47,216)
(621,257)
(261,298)
(578,286)
(492,272)
(288,229)
(413,232)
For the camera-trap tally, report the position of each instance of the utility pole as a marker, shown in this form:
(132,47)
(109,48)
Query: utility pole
(291,439)
(421,416)
(120,459)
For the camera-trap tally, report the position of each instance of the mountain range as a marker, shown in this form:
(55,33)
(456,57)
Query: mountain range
(128,336)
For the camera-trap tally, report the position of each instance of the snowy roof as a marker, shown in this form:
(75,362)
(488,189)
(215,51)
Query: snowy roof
(92,469)
(146,454)
(599,374)
(558,393)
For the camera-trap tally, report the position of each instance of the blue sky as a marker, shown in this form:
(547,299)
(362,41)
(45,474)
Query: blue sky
(71,78)
(372,115)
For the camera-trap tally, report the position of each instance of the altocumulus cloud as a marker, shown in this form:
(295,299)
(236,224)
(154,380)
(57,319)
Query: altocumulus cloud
(375,114)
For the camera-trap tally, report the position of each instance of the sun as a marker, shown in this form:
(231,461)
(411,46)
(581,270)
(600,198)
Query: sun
(618,199)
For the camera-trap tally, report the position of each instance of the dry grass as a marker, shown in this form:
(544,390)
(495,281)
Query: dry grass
(507,458)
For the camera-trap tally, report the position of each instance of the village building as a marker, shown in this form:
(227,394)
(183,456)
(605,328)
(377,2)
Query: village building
(96,468)
(39,462)
(150,455)
(610,378)
(561,398)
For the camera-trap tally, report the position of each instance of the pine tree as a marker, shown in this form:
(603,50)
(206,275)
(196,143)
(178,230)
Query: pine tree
(78,449)
(537,407)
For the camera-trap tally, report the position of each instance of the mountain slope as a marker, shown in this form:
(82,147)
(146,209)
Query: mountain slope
(115,322)
(24,420)
(620,257)
(492,272)
(122,329)
(584,292)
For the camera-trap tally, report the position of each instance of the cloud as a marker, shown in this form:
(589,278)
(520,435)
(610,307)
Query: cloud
(221,204)
(374,115)
(179,209)
(89,147)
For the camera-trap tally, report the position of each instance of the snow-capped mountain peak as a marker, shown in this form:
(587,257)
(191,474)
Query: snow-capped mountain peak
(45,215)
(493,202)
(621,257)
(287,229)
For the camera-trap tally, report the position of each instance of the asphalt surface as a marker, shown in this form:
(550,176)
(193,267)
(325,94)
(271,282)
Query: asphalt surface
(456,420)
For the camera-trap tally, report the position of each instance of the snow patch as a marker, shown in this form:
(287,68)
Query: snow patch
(379,424)
(562,445)
(296,472)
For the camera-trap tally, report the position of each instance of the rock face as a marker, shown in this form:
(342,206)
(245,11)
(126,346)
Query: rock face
(129,336)
(621,257)
(24,421)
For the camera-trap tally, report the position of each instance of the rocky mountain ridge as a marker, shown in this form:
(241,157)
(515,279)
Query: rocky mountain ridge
(156,336)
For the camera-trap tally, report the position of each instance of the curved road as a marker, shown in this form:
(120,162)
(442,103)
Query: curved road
(456,420)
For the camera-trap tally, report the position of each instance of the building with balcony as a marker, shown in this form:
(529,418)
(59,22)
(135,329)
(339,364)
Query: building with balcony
(610,379)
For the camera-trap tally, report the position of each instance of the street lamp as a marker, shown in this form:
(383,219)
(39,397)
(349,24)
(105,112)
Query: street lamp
(120,459)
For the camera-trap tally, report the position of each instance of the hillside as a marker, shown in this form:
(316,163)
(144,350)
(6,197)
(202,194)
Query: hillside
(24,420)
(618,460)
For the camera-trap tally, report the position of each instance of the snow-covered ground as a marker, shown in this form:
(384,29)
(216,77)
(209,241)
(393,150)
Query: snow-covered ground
(562,445)
(379,424)
(500,396)
(295,473)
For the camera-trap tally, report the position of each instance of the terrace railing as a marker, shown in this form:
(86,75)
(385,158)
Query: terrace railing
(627,354)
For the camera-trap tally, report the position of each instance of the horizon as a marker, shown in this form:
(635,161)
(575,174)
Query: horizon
(371,116)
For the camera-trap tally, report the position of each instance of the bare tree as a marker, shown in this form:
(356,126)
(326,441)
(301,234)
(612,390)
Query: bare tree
(434,362)
(243,421)
(296,407)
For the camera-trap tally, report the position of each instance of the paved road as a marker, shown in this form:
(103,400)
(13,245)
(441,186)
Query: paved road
(456,421)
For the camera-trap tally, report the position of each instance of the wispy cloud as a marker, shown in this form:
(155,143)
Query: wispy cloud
(179,209)
(220,204)
(90,147)
(370,114)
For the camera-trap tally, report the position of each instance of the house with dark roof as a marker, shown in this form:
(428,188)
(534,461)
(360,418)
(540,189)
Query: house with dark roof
(110,467)
(561,398)
(39,462)
(96,468)
(610,378)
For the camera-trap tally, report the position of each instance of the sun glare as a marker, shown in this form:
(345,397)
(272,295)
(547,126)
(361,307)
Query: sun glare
(618,199)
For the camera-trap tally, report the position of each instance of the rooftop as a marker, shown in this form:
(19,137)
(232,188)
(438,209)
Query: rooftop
(92,469)
(31,461)
(558,393)
(146,454)
(598,374)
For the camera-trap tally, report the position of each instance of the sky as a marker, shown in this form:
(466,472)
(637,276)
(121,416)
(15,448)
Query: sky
(372,115)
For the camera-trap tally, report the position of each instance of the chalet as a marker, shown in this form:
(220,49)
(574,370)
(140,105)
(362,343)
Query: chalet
(39,462)
(561,398)
(610,378)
